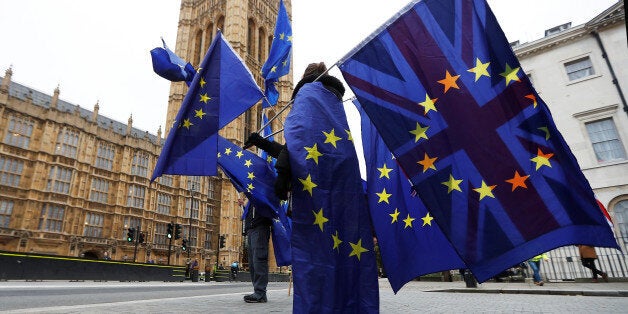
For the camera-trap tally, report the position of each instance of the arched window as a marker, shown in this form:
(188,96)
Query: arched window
(209,36)
(198,49)
(250,38)
(621,219)
(261,53)
(221,23)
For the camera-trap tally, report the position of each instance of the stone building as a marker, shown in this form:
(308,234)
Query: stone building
(72,182)
(581,72)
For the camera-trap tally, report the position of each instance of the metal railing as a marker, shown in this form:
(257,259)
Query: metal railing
(565,264)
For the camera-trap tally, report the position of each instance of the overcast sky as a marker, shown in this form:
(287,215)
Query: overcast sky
(99,50)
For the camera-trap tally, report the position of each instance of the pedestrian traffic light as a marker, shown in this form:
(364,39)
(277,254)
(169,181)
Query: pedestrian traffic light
(184,245)
(169,232)
(130,235)
(222,241)
(177,231)
(141,238)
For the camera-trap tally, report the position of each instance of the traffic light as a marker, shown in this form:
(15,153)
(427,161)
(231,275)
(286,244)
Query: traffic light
(141,238)
(130,236)
(177,231)
(222,241)
(169,232)
(184,245)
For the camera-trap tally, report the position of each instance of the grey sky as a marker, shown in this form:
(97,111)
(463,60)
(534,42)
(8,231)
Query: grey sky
(99,50)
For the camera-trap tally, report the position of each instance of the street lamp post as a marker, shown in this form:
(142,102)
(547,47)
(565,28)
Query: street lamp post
(192,188)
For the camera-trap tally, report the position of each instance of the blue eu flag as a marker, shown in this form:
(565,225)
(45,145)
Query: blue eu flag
(278,62)
(170,66)
(410,241)
(221,91)
(448,96)
(333,260)
(253,176)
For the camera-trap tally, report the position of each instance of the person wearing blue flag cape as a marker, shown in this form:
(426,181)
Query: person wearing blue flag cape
(333,259)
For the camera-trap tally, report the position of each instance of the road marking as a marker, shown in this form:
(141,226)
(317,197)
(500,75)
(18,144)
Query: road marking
(122,303)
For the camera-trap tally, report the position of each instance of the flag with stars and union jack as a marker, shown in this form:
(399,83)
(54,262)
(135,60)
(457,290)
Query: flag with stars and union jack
(447,94)
(410,242)
(333,260)
(222,90)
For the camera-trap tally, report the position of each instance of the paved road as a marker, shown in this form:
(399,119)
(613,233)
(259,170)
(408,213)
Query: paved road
(415,297)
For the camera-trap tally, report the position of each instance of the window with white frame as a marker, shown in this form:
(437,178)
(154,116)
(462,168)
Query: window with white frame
(105,155)
(136,196)
(10,171)
(195,207)
(166,180)
(139,167)
(621,219)
(59,179)
(160,234)
(99,191)
(67,143)
(51,218)
(19,131)
(6,209)
(579,68)
(164,203)
(606,142)
(93,225)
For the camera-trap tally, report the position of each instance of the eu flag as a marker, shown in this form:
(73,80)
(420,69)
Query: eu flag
(253,176)
(448,96)
(221,91)
(333,260)
(170,66)
(266,133)
(410,241)
(278,62)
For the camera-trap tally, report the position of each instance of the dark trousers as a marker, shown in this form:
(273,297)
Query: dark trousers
(590,264)
(258,238)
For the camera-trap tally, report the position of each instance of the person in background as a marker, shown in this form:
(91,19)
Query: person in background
(257,230)
(535,264)
(106,256)
(588,257)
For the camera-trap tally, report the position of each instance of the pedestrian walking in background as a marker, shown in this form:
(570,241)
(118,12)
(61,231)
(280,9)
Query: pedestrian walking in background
(588,257)
(535,264)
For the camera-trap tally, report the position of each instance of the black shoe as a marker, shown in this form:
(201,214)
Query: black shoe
(255,298)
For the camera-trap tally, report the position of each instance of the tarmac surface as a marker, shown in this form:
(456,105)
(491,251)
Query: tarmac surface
(414,297)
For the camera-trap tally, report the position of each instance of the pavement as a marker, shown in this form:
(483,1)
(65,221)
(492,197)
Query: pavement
(414,297)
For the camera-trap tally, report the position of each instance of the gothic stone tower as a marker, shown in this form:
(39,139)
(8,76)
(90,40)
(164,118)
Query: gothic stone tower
(248,25)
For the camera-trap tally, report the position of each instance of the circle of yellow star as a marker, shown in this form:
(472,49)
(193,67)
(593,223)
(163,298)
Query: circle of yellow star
(357,249)
(427,220)
(394,215)
(384,171)
(313,153)
(239,154)
(408,221)
(383,197)
(331,137)
(199,113)
(319,219)
(205,98)
(308,185)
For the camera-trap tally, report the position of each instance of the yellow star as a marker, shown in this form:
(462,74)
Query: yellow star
(485,190)
(219,155)
(419,132)
(428,104)
(248,163)
(319,219)
(289,37)
(331,137)
(542,159)
(202,82)
(199,70)
(187,124)
(308,185)
(228,151)
(452,184)
(273,69)
(239,154)
(282,36)
(427,162)
(312,153)
(349,137)
(269,158)
(357,249)
(394,215)
(547,133)
(285,63)
(510,74)
(205,98)
(337,240)
(384,171)
(250,175)
(199,113)
(480,69)
(250,187)
(449,81)
(408,221)
(383,197)
(427,220)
